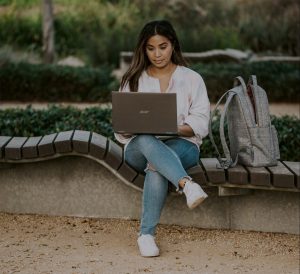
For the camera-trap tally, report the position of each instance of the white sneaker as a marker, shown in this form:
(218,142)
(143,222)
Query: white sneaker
(194,194)
(147,246)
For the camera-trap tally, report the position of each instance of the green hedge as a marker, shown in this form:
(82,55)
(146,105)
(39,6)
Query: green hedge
(31,122)
(280,80)
(53,83)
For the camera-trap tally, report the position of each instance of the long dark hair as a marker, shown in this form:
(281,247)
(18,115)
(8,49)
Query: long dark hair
(140,60)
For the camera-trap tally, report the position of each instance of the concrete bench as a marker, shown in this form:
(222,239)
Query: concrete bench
(44,175)
(234,181)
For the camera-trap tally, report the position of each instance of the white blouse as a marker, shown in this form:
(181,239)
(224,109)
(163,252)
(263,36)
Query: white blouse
(193,107)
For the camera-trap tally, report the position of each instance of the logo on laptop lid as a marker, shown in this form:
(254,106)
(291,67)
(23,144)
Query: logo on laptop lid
(144,111)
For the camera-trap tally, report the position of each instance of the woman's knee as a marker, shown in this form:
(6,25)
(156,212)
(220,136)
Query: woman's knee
(144,139)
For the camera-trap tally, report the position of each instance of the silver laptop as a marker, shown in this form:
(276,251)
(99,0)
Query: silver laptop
(144,113)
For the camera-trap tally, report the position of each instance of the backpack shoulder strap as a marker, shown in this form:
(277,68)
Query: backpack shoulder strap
(212,114)
(261,102)
(245,101)
(228,162)
(240,81)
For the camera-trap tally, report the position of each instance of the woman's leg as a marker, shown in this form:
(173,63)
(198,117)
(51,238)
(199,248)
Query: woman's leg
(162,158)
(154,196)
(187,152)
(154,192)
(137,154)
(156,185)
(135,158)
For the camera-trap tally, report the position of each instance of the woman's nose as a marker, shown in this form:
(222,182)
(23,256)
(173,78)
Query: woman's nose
(157,53)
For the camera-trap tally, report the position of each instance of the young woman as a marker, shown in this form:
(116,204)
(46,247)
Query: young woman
(158,66)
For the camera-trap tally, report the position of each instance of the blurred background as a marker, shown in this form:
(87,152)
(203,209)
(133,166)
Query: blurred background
(97,30)
(73,51)
(93,33)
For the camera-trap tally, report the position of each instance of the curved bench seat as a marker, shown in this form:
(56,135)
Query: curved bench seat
(283,177)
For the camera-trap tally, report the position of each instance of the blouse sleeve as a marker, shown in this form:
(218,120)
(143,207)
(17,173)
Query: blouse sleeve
(199,111)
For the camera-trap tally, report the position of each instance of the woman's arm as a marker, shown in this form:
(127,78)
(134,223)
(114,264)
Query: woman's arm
(199,110)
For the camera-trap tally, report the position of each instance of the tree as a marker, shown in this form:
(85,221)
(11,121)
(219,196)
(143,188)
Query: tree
(48,31)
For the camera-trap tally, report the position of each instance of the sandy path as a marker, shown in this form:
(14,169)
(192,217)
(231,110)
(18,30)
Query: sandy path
(43,244)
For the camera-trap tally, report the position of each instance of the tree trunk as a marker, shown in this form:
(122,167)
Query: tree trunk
(48,31)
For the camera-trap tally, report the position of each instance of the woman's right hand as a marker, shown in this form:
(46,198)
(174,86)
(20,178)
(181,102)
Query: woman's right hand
(126,135)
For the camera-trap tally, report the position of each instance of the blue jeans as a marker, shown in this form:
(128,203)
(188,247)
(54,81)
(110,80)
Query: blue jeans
(168,161)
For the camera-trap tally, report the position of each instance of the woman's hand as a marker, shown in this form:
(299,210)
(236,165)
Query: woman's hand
(126,135)
(185,131)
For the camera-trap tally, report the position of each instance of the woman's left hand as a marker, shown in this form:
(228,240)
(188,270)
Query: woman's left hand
(185,131)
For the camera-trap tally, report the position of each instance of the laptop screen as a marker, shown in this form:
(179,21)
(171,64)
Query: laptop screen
(144,113)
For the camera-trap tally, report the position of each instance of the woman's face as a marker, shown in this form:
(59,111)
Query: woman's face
(159,51)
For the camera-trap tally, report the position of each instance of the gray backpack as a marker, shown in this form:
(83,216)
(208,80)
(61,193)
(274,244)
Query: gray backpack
(253,140)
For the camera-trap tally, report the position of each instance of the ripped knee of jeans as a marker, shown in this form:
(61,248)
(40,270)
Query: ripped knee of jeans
(149,167)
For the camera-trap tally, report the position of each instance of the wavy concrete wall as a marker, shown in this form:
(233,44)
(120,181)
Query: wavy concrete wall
(77,186)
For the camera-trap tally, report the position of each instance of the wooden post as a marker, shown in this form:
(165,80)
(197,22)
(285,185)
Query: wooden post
(48,31)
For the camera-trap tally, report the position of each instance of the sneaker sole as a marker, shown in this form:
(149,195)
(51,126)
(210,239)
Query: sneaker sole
(149,256)
(197,202)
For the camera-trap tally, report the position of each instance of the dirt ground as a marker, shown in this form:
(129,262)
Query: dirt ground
(44,244)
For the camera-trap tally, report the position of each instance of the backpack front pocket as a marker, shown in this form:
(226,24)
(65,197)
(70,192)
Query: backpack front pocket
(263,146)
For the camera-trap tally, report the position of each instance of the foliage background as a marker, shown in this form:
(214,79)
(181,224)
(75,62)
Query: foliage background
(97,30)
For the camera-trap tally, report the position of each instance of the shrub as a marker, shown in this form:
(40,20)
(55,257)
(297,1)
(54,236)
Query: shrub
(280,80)
(31,122)
(288,128)
(21,32)
(52,83)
